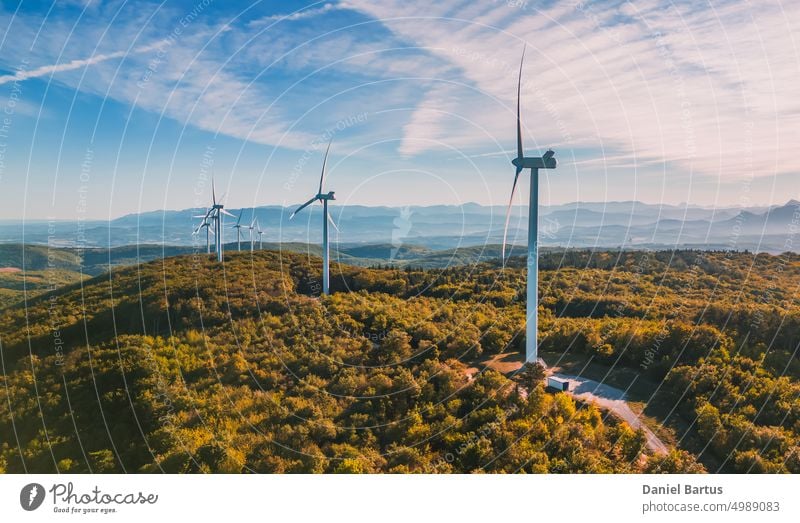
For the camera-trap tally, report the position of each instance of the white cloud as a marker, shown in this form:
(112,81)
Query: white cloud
(711,91)
(186,76)
(298,15)
(706,89)
(45,70)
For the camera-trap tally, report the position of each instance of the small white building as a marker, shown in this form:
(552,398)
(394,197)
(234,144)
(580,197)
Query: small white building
(556,383)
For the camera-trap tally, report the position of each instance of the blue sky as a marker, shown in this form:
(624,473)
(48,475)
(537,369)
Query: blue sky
(114,107)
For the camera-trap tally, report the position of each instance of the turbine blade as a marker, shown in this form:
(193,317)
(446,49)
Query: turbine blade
(519,125)
(333,223)
(324,162)
(226,213)
(240,217)
(508,216)
(213,192)
(309,202)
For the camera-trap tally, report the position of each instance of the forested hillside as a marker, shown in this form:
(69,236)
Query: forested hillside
(182,366)
(28,270)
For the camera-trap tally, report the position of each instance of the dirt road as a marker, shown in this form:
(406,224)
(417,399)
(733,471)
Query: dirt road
(612,399)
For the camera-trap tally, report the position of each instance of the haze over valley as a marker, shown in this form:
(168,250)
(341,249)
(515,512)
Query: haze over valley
(629,224)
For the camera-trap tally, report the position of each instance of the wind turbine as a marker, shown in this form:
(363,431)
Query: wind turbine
(253,227)
(204,224)
(521,162)
(238,228)
(323,198)
(214,216)
(259,232)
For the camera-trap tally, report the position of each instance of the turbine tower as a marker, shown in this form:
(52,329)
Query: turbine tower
(323,198)
(238,228)
(521,162)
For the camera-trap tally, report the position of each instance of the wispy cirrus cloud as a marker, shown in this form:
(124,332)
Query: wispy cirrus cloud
(186,74)
(301,14)
(72,65)
(707,89)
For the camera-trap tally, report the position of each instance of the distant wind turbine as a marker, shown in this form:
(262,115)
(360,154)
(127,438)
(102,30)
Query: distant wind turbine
(205,224)
(323,198)
(238,228)
(260,233)
(253,227)
(214,216)
(546,161)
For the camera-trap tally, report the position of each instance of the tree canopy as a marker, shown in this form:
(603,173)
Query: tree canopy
(182,365)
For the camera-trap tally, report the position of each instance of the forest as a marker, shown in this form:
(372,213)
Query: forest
(183,365)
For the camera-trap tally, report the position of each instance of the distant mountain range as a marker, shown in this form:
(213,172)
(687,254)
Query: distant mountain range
(626,224)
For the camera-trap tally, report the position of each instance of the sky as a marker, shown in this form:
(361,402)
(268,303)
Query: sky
(116,107)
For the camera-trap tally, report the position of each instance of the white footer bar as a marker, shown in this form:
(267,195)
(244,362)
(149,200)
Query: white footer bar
(395,498)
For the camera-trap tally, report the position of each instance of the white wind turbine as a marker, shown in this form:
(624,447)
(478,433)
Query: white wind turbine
(205,224)
(546,161)
(253,227)
(323,198)
(214,217)
(260,233)
(238,228)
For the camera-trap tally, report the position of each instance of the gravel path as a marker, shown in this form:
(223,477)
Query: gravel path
(611,399)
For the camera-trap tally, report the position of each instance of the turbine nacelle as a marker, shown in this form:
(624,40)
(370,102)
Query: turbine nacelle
(547,161)
(328,196)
